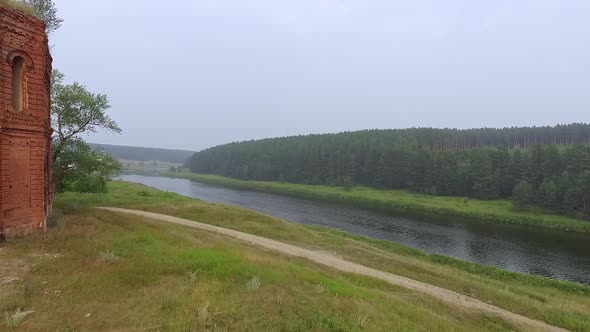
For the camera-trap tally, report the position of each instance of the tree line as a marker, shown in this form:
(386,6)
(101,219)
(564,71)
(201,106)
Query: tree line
(543,166)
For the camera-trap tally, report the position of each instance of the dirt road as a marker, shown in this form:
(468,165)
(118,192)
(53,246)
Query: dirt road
(332,261)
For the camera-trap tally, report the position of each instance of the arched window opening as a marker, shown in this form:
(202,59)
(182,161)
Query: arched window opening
(18,84)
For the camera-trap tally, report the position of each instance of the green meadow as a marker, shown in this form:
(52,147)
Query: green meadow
(96,270)
(150,253)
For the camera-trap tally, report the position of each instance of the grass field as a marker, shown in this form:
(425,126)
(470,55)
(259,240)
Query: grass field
(556,302)
(97,270)
(404,202)
(107,272)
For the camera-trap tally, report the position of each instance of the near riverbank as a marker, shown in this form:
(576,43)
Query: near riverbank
(404,202)
(149,252)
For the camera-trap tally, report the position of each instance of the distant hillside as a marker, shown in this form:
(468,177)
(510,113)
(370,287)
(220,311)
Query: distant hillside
(145,154)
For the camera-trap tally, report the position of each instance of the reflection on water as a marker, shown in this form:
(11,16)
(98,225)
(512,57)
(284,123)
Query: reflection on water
(521,249)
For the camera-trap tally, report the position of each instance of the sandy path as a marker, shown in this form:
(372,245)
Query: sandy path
(346,266)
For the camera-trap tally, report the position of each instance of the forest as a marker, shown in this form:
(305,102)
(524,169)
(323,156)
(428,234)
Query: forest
(544,167)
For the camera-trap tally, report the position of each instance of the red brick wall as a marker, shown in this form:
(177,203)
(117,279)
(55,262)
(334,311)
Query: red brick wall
(24,135)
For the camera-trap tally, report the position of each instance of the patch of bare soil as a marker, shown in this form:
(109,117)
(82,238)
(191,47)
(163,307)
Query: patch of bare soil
(12,270)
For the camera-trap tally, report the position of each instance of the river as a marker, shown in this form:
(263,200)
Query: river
(552,254)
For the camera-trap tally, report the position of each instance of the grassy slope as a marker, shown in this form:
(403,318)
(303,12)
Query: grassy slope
(559,303)
(104,271)
(402,201)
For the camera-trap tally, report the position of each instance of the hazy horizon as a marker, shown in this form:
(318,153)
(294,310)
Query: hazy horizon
(191,75)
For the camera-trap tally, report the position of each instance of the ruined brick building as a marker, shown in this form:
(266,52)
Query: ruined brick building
(25,124)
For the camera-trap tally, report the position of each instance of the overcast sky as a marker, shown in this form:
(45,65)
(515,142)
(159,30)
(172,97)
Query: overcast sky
(194,74)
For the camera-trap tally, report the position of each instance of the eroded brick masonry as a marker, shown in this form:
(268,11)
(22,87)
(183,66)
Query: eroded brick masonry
(25,124)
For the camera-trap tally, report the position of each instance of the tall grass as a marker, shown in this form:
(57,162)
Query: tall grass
(15,320)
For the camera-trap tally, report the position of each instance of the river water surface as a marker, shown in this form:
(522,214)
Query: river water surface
(557,255)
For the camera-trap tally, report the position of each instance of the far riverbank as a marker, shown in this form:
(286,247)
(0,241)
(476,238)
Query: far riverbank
(403,202)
